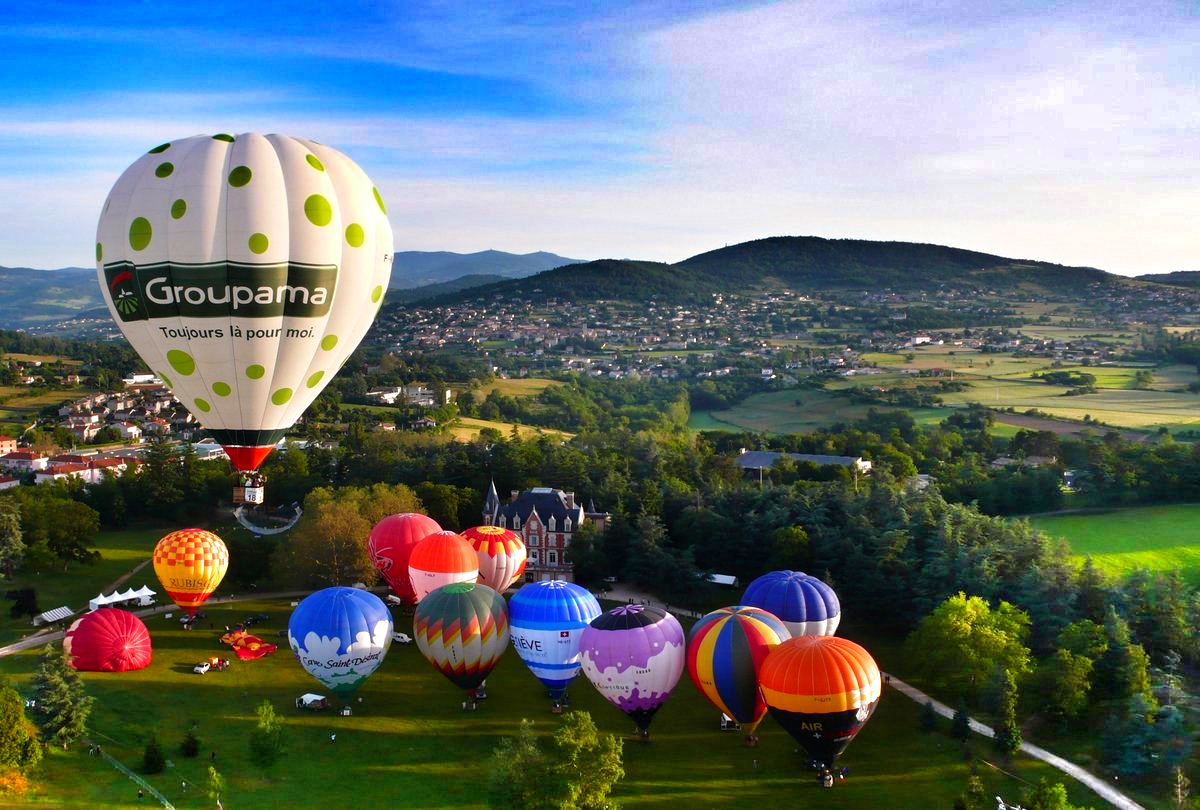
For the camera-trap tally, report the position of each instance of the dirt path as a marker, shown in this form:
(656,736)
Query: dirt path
(1063,427)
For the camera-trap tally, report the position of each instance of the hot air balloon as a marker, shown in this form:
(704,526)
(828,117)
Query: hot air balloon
(391,543)
(822,690)
(108,640)
(804,603)
(440,559)
(190,564)
(244,270)
(340,636)
(634,655)
(546,622)
(501,555)
(724,652)
(462,629)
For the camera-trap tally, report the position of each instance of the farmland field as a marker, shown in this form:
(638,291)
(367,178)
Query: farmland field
(797,410)
(409,738)
(466,428)
(1158,538)
(517,387)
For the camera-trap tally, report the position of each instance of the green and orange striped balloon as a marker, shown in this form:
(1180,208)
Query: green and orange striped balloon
(462,629)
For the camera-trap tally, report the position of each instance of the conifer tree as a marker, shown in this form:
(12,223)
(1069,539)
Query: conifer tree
(62,705)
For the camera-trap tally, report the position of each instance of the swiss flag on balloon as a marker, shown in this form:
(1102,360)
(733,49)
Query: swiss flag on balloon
(564,633)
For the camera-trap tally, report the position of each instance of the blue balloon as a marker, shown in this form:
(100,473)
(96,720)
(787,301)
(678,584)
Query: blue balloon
(546,620)
(805,604)
(340,636)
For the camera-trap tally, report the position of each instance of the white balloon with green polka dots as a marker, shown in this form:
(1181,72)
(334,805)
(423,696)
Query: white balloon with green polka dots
(244,270)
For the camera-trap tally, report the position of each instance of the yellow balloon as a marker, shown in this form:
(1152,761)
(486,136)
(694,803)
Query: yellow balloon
(190,564)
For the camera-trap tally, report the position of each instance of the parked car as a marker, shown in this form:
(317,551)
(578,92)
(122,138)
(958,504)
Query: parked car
(402,638)
(202,668)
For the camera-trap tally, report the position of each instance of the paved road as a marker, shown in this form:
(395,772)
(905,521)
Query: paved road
(621,592)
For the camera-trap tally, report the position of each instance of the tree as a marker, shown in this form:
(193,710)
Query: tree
(55,528)
(191,743)
(960,726)
(1123,671)
(974,797)
(215,784)
(960,644)
(62,706)
(12,544)
(266,741)
(1007,739)
(928,717)
(153,760)
(19,747)
(1047,796)
(1064,680)
(329,544)
(578,771)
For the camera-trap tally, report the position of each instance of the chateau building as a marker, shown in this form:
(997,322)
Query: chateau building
(546,519)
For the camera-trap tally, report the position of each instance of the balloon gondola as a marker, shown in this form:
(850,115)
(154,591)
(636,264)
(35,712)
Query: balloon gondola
(244,271)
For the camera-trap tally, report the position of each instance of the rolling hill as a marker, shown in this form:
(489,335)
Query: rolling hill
(414,268)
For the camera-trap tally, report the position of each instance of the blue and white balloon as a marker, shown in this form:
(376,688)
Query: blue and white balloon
(546,620)
(340,636)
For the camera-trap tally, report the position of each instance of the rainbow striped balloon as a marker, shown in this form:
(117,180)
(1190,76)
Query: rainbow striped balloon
(724,652)
(462,629)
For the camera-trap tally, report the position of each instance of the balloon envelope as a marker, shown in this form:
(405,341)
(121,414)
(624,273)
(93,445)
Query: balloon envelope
(462,629)
(822,690)
(340,636)
(546,622)
(634,655)
(724,652)
(804,603)
(190,564)
(501,554)
(244,270)
(391,543)
(440,559)
(108,640)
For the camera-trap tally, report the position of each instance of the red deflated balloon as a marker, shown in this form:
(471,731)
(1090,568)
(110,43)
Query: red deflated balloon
(108,640)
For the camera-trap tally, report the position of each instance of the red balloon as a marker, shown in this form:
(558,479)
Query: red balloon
(108,640)
(391,543)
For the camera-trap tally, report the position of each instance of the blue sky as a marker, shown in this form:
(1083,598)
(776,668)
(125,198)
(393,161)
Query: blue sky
(1065,132)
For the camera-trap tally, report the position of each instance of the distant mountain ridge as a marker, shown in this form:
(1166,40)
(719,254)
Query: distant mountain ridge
(1180,278)
(415,268)
(803,264)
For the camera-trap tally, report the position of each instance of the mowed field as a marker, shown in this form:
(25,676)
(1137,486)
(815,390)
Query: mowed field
(409,743)
(1157,538)
(997,381)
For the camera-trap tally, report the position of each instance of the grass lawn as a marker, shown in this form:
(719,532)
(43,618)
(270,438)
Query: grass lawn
(409,738)
(1159,538)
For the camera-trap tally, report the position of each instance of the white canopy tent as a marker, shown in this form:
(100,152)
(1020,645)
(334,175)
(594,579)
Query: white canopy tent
(143,596)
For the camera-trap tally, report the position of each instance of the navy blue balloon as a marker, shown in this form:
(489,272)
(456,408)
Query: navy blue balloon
(805,604)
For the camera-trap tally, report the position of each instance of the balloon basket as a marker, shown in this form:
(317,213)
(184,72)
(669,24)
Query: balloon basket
(556,708)
(752,741)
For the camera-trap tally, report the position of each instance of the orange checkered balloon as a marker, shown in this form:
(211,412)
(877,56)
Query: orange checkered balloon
(190,564)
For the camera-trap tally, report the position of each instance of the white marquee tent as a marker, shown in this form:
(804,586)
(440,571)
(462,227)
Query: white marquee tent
(143,596)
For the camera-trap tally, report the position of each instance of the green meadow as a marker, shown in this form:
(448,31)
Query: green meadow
(409,742)
(1157,538)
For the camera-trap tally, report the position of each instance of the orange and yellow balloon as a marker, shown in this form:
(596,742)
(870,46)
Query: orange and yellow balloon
(190,564)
